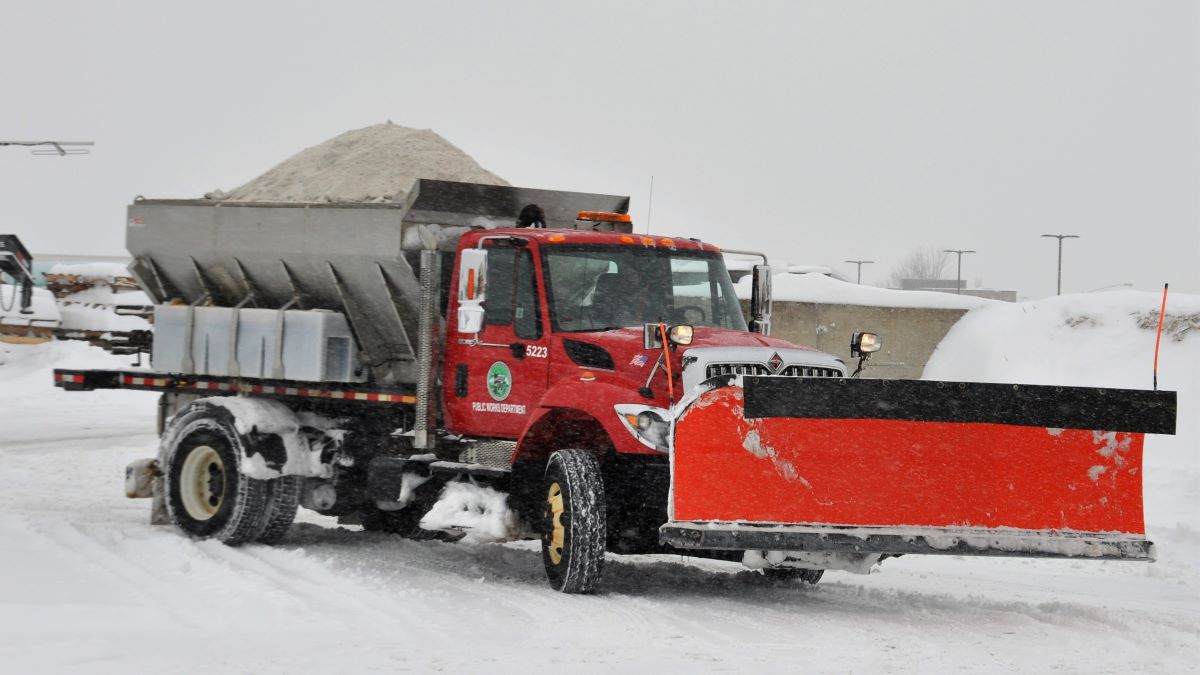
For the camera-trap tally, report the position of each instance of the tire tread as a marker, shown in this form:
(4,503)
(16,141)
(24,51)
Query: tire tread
(583,551)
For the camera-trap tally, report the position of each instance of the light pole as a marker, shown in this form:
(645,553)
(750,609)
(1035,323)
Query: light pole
(1060,237)
(958,279)
(860,263)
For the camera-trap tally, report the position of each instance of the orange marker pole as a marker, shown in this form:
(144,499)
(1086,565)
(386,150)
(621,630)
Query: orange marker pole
(662,329)
(1162,314)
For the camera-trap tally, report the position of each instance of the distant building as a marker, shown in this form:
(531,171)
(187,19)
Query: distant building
(741,267)
(958,287)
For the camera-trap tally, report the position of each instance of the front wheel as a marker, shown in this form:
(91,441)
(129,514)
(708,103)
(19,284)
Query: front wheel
(573,527)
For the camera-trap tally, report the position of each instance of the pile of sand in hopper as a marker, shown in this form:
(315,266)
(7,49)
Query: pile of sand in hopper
(374,164)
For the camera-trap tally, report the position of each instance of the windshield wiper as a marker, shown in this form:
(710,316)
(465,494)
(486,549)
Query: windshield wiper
(599,330)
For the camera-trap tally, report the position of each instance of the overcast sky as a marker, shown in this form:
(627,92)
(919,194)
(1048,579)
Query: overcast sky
(817,131)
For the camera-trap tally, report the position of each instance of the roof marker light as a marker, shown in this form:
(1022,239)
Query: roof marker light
(605,216)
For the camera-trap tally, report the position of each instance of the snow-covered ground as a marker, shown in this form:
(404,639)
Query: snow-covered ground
(87,585)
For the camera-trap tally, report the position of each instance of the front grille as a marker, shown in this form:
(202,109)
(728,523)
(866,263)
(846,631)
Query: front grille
(715,369)
(810,371)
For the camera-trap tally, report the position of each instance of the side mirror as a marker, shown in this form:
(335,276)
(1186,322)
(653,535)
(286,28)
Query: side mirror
(760,300)
(862,344)
(472,289)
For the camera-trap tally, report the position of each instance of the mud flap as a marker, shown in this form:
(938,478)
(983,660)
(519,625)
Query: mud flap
(889,466)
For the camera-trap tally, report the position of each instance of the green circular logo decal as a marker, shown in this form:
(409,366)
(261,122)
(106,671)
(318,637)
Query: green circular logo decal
(499,381)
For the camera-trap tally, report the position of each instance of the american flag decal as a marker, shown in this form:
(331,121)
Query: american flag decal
(640,360)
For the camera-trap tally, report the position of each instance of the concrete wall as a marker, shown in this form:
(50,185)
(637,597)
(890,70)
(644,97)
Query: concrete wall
(910,334)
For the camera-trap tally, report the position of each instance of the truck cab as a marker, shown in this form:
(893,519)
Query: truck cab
(570,323)
(586,341)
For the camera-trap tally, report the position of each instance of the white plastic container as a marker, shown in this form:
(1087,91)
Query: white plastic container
(318,347)
(308,346)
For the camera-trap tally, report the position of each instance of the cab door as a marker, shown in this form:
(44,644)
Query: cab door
(494,384)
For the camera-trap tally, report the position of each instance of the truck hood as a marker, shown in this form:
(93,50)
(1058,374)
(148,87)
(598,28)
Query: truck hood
(631,339)
(727,350)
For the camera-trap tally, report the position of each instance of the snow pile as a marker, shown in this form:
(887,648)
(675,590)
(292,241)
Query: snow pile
(481,511)
(45,312)
(1094,339)
(374,164)
(825,289)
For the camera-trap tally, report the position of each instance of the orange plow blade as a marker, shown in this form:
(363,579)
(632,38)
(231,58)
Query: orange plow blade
(894,467)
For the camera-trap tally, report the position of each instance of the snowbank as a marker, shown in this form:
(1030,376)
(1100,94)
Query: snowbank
(1094,339)
(822,288)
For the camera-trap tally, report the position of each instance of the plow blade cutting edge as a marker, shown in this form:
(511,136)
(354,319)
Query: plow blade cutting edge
(906,466)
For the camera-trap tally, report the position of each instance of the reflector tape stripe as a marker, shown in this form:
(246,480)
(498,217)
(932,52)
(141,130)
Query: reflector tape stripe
(245,387)
(130,380)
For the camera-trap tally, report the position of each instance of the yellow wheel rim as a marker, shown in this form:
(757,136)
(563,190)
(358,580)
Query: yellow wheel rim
(558,533)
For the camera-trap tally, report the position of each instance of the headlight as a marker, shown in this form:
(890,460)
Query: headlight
(681,334)
(648,425)
(865,343)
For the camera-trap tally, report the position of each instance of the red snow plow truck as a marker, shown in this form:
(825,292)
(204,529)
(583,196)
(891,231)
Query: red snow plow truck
(357,359)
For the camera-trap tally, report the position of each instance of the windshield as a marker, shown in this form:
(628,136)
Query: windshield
(604,287)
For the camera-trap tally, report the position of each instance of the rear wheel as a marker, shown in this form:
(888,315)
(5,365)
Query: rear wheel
(282,504)
(573,526)
(208,496)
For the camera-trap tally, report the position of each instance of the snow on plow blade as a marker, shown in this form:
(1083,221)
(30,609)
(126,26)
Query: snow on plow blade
(909,466)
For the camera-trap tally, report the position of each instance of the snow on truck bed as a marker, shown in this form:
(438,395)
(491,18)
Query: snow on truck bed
(87,585)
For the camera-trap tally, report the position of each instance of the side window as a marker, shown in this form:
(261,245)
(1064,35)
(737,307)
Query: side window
(499,303)
(527,316)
